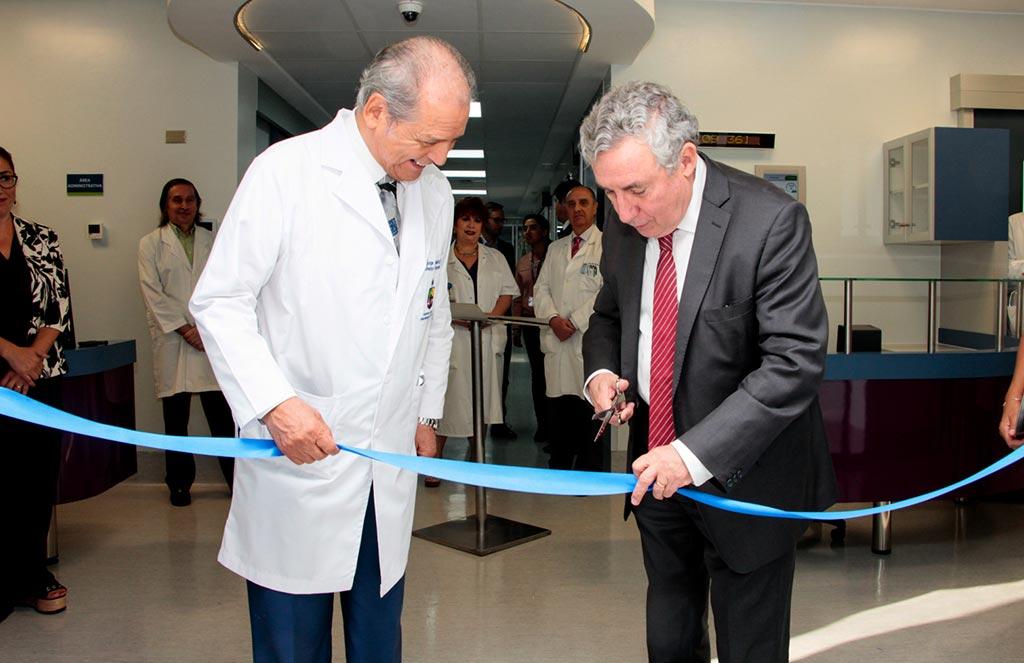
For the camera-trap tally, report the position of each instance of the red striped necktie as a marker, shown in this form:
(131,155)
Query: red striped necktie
(663,347)
(576,241)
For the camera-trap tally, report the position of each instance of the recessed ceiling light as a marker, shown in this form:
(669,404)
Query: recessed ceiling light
(470,174)
(475,110)
(469,192)
(465,154)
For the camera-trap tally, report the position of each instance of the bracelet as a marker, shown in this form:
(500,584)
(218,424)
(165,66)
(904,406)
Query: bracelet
(428,421)
(1016,398)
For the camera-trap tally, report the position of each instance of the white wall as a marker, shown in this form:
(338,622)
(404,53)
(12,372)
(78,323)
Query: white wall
(90,87)
(833,83)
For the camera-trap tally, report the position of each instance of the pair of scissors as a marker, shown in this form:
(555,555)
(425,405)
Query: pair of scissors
(605,416)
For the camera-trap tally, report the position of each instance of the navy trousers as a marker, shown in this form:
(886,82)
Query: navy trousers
(296,628)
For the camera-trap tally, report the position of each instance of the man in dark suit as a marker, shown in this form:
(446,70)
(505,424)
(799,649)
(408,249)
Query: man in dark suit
(712,322)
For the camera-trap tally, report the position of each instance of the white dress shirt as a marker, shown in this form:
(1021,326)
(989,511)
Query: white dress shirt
(682,242)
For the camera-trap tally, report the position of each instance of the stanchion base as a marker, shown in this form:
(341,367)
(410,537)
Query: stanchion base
(499,533)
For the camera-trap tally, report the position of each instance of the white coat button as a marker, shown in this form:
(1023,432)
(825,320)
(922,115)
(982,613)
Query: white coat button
(390,260)
(387,321)
(376,433)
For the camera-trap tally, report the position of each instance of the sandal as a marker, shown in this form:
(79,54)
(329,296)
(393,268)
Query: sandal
(50,599)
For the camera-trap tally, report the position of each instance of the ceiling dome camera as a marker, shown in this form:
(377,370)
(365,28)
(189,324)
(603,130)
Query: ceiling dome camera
(410,10)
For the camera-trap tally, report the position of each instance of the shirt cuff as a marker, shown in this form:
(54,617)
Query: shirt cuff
(586,383)
(698,473)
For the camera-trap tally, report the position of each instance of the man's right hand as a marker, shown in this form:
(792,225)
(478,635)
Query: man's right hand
(601,389)
(300,432)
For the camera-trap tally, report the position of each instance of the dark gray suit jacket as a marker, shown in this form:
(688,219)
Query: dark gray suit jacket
(750,354)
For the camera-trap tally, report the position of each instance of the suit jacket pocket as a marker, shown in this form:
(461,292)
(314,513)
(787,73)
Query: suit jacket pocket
(729,311)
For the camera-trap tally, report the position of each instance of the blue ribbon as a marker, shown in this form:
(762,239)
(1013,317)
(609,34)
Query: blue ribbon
(502,477)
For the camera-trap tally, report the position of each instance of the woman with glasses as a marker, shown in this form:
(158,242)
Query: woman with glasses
(476,275)
(34,311)
(536,234)
(171,259)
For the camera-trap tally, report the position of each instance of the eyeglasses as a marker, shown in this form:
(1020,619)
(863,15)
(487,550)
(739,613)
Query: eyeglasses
(8,180)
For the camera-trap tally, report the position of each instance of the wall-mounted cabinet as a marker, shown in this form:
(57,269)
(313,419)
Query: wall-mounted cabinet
(946,184)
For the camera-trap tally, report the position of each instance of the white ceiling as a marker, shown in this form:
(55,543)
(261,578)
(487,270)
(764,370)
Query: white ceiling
(534,83)
(983,6)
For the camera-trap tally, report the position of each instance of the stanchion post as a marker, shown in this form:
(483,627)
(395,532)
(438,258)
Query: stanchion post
(1018,325)
(1001,315)
(481,534)
(848,315)
(881,531)
(932,316)
(476,350)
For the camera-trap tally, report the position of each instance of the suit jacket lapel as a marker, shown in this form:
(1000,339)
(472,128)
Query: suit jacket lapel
(707,242)
(631,287)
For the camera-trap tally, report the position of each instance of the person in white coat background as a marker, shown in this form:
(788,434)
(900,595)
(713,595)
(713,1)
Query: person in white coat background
(564,295)
(171,258)
(324,312)
(477,274)
(1015,269)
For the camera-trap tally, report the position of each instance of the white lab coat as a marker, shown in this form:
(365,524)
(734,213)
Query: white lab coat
(567,286)
(1015,235)
(167,280)
(305,295)
(494,279)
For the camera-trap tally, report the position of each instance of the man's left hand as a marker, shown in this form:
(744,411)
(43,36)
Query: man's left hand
(663,468)
(426,441)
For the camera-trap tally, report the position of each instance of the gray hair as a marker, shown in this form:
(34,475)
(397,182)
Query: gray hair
(642,110)
(398,69)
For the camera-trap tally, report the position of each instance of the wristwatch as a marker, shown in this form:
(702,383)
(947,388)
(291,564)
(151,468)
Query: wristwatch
(428,421)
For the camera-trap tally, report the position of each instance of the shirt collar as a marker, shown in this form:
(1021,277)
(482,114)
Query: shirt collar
(180,233)
(585,235)
(359,148)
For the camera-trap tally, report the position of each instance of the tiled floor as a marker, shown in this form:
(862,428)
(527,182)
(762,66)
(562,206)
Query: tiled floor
(145,585)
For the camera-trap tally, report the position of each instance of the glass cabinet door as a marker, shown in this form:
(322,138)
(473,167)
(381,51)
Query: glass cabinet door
(896,222)
(920,180)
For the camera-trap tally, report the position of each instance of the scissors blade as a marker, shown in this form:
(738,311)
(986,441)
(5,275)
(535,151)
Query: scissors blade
(605,416)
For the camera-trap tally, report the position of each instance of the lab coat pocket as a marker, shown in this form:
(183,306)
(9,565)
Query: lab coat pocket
(327,406)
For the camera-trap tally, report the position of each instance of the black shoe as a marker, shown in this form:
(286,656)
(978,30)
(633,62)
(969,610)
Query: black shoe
(180,497)
(502,432)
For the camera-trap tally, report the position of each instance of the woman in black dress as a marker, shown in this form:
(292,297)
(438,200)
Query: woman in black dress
(34,311)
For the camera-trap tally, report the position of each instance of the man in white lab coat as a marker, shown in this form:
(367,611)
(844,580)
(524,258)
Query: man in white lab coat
(324,313)
(564,296)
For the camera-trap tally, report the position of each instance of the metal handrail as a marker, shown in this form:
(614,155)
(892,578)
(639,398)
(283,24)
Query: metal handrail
(1002,288)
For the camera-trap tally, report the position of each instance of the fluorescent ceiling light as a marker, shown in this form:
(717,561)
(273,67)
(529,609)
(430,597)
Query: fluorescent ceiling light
(469,192)
(469,174)
(475,110)
(465,154)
